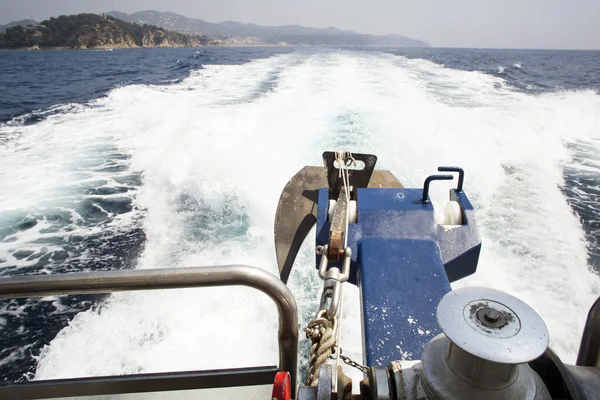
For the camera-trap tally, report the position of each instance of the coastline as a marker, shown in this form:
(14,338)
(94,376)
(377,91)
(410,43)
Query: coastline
(200,46)
(108,48)
(66,48)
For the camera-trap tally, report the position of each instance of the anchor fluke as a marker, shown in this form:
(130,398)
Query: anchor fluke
(297,209)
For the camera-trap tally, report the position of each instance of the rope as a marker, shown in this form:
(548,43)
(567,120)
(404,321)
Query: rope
(323,336)
(338,339)
(342,157)
(322,347)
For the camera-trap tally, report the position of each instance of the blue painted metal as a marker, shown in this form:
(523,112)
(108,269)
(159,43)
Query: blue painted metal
(403,263)
(402,281)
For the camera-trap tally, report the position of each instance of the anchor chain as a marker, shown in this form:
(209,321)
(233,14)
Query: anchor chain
(322,329)
(352,363)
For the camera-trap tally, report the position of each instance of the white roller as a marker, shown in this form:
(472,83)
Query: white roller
(438,213)
(331,210)
(352,211)
(452,213)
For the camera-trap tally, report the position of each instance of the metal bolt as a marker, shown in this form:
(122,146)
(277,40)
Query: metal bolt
(491,315)
(491,318)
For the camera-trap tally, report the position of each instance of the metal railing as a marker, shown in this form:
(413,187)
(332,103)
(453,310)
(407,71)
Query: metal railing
(139,383)
(133,280)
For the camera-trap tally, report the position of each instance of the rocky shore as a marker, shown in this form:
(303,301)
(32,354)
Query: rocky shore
(91,31)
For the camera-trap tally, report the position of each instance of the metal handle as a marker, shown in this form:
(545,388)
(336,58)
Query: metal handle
(429,180)
(172,278)
(461,175)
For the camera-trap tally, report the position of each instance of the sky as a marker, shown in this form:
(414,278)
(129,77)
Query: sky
(539,24)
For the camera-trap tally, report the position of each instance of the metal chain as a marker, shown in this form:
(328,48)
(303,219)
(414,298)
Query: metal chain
(322,329)
(354,364)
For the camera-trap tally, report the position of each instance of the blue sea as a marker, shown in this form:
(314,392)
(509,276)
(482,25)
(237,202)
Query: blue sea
(158,158)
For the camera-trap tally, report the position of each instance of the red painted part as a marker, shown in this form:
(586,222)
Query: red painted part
(282,389)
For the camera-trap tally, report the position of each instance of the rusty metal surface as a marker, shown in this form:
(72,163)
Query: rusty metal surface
(296,215)
(382,178)
(337,231)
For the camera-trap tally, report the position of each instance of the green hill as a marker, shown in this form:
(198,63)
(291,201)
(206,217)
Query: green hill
(85,31)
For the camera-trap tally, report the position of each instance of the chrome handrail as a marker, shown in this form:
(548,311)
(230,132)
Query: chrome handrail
(172,278)
(90,387)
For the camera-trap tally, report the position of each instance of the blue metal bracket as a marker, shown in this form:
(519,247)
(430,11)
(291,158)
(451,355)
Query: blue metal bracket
(403,263)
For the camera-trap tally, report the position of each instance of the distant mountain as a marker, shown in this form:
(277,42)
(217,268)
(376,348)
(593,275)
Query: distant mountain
(23,22)
(290,34)
(85,31)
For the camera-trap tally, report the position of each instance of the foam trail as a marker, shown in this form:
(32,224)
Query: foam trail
(217,148)
(65,178)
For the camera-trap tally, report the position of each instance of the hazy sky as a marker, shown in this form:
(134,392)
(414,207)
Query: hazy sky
(555,24)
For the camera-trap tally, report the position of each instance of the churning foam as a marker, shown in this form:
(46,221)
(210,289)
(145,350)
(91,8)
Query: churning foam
(216,149)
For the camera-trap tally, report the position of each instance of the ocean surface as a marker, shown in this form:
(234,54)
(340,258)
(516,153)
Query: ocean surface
(176,157)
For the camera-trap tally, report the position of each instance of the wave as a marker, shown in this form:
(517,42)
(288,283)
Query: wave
(39,115)
(215,150)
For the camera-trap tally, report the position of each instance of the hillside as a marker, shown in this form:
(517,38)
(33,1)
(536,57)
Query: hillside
(290,34)
(86,31)
(24,22)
